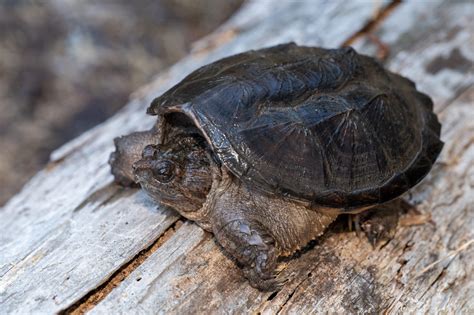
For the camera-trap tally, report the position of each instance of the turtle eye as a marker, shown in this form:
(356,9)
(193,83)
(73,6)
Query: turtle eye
(164,170)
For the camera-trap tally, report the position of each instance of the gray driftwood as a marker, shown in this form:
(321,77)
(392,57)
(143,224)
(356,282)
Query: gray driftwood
(70,229)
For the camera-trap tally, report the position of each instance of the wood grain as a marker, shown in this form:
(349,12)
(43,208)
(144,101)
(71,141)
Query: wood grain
(342,273)
(70,229)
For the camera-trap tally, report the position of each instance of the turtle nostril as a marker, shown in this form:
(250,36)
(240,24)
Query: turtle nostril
(142,170)
(141,165)
(150,151)
(135,167)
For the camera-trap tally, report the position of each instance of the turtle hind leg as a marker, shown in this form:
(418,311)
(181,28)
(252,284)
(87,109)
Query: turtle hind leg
(380,227)
(380,223)
(128,150)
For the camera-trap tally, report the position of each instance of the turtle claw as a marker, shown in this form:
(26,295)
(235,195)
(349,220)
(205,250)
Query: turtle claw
(264,273)
(354,221)
(379,225)
(378,233)
(264,281)
(255,250)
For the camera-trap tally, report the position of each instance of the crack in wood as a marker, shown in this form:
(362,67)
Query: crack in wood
(102,196)
(289,296)
(371,25)
(91,299)
(438,277)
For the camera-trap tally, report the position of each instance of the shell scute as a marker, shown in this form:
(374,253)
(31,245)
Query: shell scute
(328,126)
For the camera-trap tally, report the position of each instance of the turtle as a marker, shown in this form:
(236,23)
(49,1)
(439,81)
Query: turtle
(266,148)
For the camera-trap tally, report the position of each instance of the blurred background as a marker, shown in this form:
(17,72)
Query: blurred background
(66,66)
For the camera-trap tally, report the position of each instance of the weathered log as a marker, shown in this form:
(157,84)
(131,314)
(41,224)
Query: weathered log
(71,239)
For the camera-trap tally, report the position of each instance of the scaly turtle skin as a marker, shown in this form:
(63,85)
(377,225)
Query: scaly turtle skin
(267,147)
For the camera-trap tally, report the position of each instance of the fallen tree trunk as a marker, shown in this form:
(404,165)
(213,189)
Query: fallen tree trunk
(72,241)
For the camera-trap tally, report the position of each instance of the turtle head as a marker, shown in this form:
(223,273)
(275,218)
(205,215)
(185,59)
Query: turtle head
(177,174)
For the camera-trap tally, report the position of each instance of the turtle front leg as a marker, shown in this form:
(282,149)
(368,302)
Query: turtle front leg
(237,223)
(254,249)
(256,229)
(128,150)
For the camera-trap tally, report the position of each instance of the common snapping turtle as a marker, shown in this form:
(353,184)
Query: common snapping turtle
(266,148)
